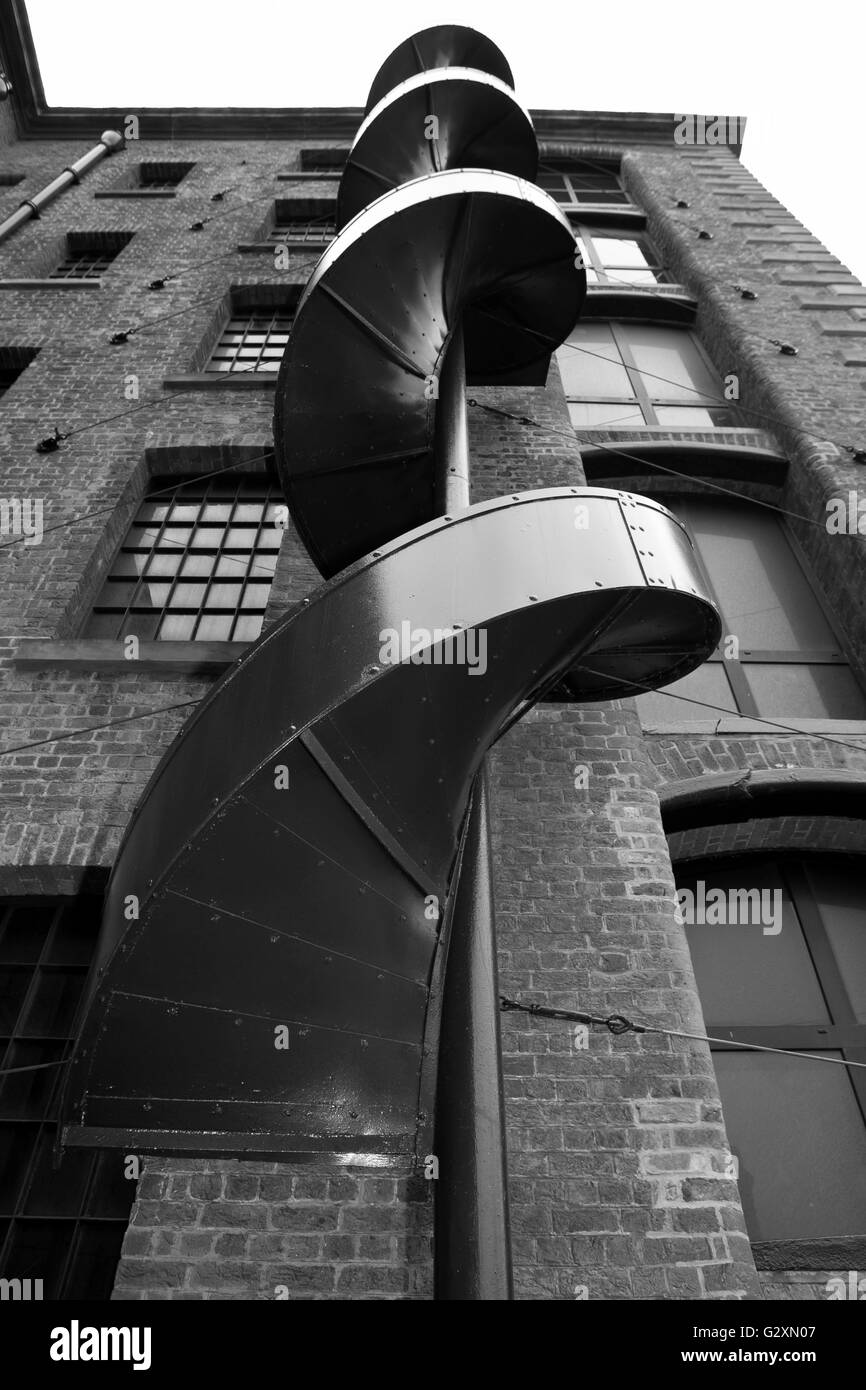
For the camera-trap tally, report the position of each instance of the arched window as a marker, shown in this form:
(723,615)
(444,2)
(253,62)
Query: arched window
(779,951)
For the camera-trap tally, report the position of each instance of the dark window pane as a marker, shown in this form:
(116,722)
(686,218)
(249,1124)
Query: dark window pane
(13,987)
(747,972)
(38,1250)
(17,1142)
(27,1094)
(75,937)
(51,1011)
(111,1193)
(798,1133)
(57,1191)
(94,1261)
(24,932)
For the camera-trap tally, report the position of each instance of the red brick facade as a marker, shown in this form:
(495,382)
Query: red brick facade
(617,1152)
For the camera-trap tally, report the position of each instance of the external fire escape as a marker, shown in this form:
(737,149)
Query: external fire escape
(312,852)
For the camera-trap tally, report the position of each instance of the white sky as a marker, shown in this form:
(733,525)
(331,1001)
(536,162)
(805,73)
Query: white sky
(796,70)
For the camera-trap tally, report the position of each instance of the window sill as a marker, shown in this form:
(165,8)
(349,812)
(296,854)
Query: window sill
(308,175)
(248,246)
(70,284)
(605,214)
(665,303)
(181,658)
(137,193)
(222,381)
(741,724)
(834,1253)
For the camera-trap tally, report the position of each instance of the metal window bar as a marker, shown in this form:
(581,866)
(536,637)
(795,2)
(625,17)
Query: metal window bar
(83,265)
(65,1227)
(196,567)
(582,182)
(162,176)
(252,342)
(311,229)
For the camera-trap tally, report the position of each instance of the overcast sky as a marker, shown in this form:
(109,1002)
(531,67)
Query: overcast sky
(795,70)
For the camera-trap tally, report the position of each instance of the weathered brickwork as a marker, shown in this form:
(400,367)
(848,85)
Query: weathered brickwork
(617,1151)
(220,1230)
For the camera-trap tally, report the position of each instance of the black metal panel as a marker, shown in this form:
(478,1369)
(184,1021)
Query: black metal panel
(307,905)
(356,398)
(452,118)
(441,46)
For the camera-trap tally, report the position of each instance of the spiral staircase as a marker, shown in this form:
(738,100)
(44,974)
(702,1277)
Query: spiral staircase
(276,988)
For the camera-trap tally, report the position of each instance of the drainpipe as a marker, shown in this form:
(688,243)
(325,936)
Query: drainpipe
(109,141)
(473,1249)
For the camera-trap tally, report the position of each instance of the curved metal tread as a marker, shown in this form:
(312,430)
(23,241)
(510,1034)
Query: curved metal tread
(285,856)
(356,395)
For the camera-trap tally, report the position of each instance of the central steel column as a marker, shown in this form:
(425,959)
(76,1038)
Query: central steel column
(473,1253)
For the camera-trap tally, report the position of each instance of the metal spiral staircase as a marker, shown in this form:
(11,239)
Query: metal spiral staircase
(312,852)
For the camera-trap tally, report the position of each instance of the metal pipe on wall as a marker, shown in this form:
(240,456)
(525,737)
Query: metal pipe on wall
(109,141)
(472,1242)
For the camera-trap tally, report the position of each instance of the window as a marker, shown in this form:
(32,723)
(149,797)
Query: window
(196,565)
(252,341)
(8,178)
(13,362)
(330,163)
(66,1225)
(622,374)
(161,176)
(581,181)
(792,980)
(789,662)
(88,255)
(618,260)
(316,230)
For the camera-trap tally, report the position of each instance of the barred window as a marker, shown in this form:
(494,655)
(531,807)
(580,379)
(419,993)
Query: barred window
(13,361)
(196,565)
(162,174)
(252,341)
(317,230)
(64,1226)
(89,255)
(581,181)
(327,162)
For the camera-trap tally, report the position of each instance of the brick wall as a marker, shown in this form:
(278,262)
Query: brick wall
(221,1230)
(616,1152)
